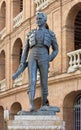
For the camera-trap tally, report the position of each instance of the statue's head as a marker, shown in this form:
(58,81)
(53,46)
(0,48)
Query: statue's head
(41,18)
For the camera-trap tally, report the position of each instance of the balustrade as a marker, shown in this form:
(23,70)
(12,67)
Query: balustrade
(18,20)
(3,33)
(3,85)
(74,60)
(41,3)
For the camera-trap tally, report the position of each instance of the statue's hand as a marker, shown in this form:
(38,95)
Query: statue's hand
(21,68)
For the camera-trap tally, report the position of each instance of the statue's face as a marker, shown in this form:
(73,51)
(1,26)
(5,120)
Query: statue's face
(40,20)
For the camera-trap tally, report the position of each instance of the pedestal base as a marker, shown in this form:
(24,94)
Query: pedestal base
(33,122)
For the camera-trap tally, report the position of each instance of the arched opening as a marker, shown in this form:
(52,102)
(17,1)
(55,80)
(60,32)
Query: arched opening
(73,38)
(16,55)
(1,118)
(77,31)
(72,22)
(3,16)
(15,108)
(77,113)
(17,7)
(2,65)
(68,110)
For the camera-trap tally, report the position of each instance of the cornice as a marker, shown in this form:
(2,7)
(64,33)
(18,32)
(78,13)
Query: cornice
(51,80)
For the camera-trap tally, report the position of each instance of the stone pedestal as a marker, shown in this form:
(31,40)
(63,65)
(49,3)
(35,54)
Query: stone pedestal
(36,122)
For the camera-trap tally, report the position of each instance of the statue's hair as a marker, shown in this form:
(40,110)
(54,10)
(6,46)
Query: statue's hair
(43,15)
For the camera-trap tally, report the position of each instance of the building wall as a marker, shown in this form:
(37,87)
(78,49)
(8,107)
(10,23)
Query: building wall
(63,87)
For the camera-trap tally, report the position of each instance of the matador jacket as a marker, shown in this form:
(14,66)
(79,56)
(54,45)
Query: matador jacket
(49,41)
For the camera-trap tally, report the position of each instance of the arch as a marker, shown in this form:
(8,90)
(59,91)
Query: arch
(17,7)
(2,65)
(15,107)
(68,109)
(16,54)
(2,2)
(1,118)
(70,28)
(3,15)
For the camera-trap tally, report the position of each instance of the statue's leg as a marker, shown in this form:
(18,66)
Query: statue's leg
(43,68)
(32,74)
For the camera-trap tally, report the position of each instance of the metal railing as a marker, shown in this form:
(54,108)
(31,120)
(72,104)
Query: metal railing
(74,60)
(77,113)
(18,20)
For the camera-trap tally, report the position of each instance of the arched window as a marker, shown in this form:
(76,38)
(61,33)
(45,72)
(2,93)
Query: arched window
(77,113)
(77,31)
(16,55)
(2,65)
(73,38)
(3,16)
(16,107)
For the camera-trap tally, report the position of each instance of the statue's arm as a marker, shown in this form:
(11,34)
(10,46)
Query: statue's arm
(25,50)
(54,47)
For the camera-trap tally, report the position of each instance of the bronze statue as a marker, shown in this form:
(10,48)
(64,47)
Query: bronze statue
(38,41)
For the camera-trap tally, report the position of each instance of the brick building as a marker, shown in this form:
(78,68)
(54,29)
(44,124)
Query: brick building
(17,17)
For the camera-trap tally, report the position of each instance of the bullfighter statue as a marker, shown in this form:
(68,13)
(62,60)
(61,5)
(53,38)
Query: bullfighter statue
(38,41)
